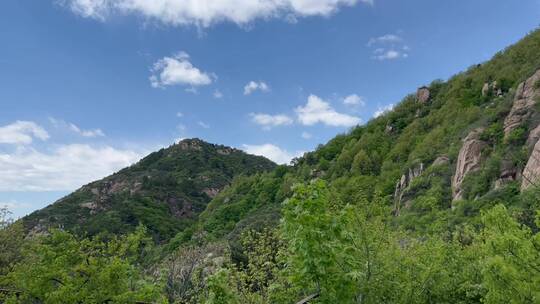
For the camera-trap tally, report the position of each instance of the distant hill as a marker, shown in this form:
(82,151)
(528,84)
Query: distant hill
(165,191)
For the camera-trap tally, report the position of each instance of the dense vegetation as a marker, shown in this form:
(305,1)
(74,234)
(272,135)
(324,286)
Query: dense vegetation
(328,229)
(165,191)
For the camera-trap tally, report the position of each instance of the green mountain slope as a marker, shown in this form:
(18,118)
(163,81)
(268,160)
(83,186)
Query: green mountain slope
(438,158)
(435,201)
(165,191)
(408,156)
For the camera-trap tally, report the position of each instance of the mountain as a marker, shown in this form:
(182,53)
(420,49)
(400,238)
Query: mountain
(165,191)
(435,201)
(443,155)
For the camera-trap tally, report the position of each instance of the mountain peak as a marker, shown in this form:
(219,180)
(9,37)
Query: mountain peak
(165,190)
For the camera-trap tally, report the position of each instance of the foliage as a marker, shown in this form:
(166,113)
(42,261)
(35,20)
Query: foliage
(511,267)
(58,268)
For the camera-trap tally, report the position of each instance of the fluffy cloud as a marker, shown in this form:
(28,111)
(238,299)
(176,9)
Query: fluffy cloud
(204,125)
(269,121)
(178,70)
(354,100)
(86,133)
(64,168)
(319,111)
(272,152)
(253,86)
(217,94)
(388,47)
(204,13)
(384,39)
(58,123)
(22,133)
(384,54)
(382,110)
(306,135)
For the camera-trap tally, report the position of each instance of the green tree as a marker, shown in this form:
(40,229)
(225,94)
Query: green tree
(511,267)
(58,268)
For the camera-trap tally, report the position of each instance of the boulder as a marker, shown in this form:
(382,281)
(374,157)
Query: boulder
(485,89)
(423,94)
(469,159)
(526,96)
(531,173)
(509,172)
(533,138)
(403,183)
(492,88)
(441,160)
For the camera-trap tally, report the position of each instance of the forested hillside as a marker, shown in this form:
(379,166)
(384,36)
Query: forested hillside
(165,191)
(435,201)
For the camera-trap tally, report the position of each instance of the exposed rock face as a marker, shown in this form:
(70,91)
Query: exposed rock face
(493,87)
(531,173)
(191,144)
(526,96)
(485,89)
(211,192)
(441,160)
(423,95)
(533,138)
(402,185)
(469,160)
(509,172)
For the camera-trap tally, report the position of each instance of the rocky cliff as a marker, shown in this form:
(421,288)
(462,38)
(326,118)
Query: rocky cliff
(469,159)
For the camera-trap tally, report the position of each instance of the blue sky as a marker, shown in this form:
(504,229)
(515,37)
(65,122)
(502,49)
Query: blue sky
(90,86)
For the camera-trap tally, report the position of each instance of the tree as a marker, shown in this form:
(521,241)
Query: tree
(58,268)
(511,265)
(11,241)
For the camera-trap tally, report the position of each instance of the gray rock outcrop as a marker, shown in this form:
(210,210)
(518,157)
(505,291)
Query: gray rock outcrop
(492,88)
(533,138)
(509,172)
(469,159)
(423,94)
(441,160)
(526,96)
(404,183)
(531,173)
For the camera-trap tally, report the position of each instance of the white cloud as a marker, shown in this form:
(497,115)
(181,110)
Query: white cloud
(64,168)
(181,128)
(203,125)
(178,70)
(269,121)
(388,38)
(204,13)
(253,86)
(58,123)
(383,54)
(354,100)
(382,110)
(272,152)
(306,135)
(86,133)
(13,204)
(319,111)
(22,133)
(217,94)
(179,114)
(388,47)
